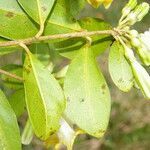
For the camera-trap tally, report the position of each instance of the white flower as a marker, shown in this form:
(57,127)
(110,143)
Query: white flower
(142,78)
(144,49)
(145,38)
(66,134)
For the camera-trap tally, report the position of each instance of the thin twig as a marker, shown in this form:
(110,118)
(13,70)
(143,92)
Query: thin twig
(24,42)
(25,48)
(57,36)
(11,75)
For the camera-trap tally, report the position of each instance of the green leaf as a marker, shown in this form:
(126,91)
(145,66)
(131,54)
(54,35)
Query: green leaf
(44,98)
(76,6)
(9,130)
(11,82)
(101,42)
(60,20)
(88,98)
(38,10)
(70,47)
(120,70)
(17,102)
(41,51)
(14,23)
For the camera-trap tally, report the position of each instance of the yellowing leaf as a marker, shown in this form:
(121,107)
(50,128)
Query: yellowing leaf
(44,98)
(88,99)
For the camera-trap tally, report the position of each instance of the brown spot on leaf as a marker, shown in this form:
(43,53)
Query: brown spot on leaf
(73,20)
(52,132)
(44,8)
(104,86)
(68,99)
(120,80)
(74,126)
(82,100)
(9,14)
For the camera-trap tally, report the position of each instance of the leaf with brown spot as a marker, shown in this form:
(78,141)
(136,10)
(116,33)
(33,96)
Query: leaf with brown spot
(14,23)
(9,14)
(38,10)
(119,68)
(89,105)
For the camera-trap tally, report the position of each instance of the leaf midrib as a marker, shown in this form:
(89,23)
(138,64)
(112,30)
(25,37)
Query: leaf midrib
(86,85)
(38,85)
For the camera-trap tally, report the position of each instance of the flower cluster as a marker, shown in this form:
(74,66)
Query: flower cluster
(133,42)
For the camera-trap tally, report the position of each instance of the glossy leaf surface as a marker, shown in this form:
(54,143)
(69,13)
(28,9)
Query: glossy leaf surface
(14,23)
(60,20)
(44,98)
(38,10)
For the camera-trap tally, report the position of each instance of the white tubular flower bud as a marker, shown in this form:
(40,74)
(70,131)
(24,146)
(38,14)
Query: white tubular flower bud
(142,78)
(138,14)
(133,33)
(66,134)
(144,49)
(144,11)
(129,53)
(128,7)
(135,42)
(145,38)
(144,55)
(132,17)
(141,50)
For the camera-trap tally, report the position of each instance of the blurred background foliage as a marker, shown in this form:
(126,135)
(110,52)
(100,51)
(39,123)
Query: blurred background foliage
(129,127)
